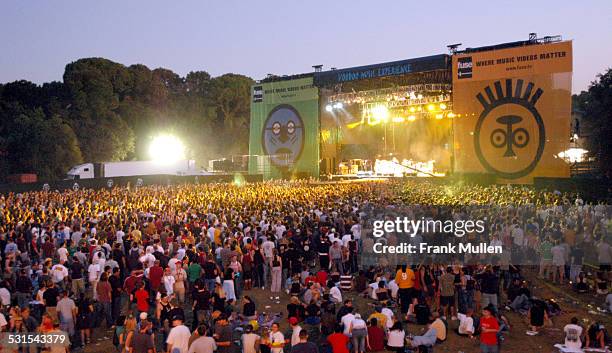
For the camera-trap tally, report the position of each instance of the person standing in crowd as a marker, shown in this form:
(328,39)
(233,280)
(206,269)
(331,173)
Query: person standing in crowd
(203,343)
(303,346)
(489,328)
(338,341)
(141,340)
(276,264)
(405,278)
(67,311)
(276,339)
(178,338)
(250,340)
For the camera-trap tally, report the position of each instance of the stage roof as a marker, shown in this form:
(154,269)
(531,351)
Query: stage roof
(393,68)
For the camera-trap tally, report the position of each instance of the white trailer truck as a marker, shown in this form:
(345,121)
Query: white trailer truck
(133,168)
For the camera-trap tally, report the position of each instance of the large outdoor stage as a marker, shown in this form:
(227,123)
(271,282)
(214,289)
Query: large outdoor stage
(502,110)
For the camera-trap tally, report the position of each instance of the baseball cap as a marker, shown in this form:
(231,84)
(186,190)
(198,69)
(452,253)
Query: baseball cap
(293,320)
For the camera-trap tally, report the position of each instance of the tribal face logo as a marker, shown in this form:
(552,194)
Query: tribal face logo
(509,137)
(283,136)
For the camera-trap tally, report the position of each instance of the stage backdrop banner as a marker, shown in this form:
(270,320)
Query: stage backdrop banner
(513,109)
(284,129)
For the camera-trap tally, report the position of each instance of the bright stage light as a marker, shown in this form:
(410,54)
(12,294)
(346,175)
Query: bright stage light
(451,115)
(412,109)
(166,148)
(328,108)
(380,113)
(338,105)
(398,119)
(442,106)
(431,107)
(411,118)
(439,116)
(574,155)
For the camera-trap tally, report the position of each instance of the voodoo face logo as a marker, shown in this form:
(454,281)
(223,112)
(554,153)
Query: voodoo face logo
(283,136)
(509,137)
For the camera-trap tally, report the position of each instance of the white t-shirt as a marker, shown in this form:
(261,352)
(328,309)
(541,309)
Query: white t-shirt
(248,342)
(359,324)
(59,272)
(120,234)
(572,336)
(179,338)
(396,338)
(268,248)
(169,284)
(5,296)
(389,314)
(295,335)
(94,271)
(335,293)
(275,338)
(466,324)
(346,321)
(345,239)
(394,288)
(356,230)
(172,264)
(63,254)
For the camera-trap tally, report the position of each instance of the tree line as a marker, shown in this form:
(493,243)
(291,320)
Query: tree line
(106,111)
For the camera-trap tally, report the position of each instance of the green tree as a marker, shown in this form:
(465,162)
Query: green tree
(596,105)
(34,144)
(96,86)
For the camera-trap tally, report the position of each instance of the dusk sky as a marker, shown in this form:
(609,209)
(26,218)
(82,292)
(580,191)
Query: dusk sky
(254,38)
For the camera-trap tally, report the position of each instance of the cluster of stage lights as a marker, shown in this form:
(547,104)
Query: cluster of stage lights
(381,114)
(334,106)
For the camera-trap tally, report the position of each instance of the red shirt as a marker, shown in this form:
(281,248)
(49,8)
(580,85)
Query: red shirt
(488,338)
(339,342)
(376,338)
(155,276)
(322,278)
(142,300)
(310,279)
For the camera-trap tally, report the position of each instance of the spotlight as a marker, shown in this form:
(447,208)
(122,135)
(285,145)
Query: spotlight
(451,115)
(411,118)
(412,109)
(442,106)
(380,113)
(439,116)
(166,149)
(431,107)
(328,108)
(338,105)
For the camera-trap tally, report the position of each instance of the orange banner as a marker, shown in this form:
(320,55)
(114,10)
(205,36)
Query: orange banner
(512,111)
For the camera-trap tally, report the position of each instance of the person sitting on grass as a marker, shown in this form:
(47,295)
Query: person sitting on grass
(382,294)
(466,324)
(581,285)
(425,341)
(596,336)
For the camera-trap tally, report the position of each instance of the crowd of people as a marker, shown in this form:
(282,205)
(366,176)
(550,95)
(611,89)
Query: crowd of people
(197,268)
